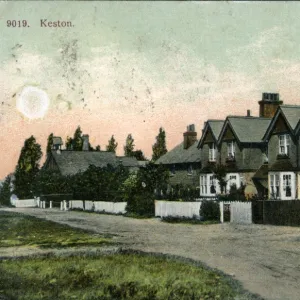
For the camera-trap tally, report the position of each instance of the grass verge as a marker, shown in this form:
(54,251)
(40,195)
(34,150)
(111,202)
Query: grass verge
(126,275)
(21,230)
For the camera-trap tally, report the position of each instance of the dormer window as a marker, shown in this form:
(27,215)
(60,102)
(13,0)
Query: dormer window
(212,152)
(230,150)
(284,144)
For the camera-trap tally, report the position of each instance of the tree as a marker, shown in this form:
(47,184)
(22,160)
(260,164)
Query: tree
(220,174)
(69,143)
(129,146)
(27,167)
(5,192)
(159,148)
(49,143)
(139,155)
(112,145)
(98,148)
(77,141)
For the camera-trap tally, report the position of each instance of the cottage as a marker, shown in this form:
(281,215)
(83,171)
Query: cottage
(69,162)
(282,137)
(183,161)
(210,156)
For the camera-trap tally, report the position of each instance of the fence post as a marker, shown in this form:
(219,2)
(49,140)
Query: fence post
(222,212)
(61,205)
(50,204)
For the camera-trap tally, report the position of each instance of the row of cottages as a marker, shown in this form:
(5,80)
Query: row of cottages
(260,154)
(70,162)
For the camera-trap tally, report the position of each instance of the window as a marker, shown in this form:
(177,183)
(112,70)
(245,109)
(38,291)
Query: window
(173,171)
(208,185)
(212,152)
(284,144)
(282,185)
(190,170)
(230,150)
(274,186)
(287,185)
(233,179)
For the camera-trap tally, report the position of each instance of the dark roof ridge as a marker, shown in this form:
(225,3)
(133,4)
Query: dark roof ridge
(290,105)
(215,120)
(249,117)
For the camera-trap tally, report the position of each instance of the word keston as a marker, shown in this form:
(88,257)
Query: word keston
(46,23)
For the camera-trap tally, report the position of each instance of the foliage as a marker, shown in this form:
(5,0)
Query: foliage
(139,155)
(131,276)
(139,189)
(159,148)
(69,143)
(51,182)
(98,148)
(99,184)
(21,230)
(5,192)
(220,174)
(235,194)
(77,141)
(210,210)
(112,145)
(186,220)
(49,143)
(129,145)
(27,168)
(179,192)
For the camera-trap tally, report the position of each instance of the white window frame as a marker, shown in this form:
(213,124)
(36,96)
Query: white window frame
(206,183)
(233,179)
(230,149)
(284,144)
(212,152)
(281,182)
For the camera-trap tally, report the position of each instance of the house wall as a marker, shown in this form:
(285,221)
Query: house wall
(273,151)
(250,158)
(181,175)
(205,155)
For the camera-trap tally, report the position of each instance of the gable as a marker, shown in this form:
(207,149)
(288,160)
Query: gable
(280,125)
(208,138)
(228,134)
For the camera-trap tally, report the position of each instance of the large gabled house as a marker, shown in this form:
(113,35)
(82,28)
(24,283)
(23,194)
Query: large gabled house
(210,156)
(184,160)
(242,150)
(282,137)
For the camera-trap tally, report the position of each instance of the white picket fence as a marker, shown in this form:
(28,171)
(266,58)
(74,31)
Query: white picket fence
(26,203)
(177,209)
(98,206)
(240,212)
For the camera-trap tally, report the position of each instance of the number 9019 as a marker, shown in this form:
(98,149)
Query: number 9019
(17,23)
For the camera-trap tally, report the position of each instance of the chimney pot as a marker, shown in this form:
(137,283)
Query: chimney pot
(85,144)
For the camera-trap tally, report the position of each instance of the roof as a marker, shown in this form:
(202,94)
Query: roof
(247,129)
(180,155)
(215,126)
(72,162)
(282,165)
(291,114)
(57,140)
(262,172)
(127,161)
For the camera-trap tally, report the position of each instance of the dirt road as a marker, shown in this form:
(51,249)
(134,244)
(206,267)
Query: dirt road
(265,259)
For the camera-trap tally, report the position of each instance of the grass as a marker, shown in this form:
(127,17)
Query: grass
(20,230)
(107,277)
(185,220)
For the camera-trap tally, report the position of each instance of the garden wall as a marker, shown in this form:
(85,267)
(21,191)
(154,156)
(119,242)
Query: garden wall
(177,209)
(26,203)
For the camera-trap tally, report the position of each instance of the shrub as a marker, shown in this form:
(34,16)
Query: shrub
(210,210)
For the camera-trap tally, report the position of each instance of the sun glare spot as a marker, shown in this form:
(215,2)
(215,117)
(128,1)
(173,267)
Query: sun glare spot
(33,102)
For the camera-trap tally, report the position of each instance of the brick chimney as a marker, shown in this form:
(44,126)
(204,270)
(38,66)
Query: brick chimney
(85,144)
(189,137)
(268,105)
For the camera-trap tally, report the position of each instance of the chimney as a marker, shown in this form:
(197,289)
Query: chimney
(56,143)
(189,137)
(248,113)
(268,105)
(85,145)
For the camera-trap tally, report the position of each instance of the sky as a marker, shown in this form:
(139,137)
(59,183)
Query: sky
(133,67)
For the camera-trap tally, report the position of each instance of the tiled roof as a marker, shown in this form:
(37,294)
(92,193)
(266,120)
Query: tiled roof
(292,114)
(249,129)
(282,165)
(180,155)
(215,126)
(127,161)
(72,162)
